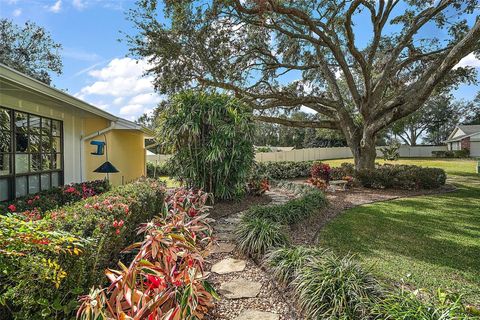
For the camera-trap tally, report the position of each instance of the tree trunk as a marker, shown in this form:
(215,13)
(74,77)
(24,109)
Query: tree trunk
(364,154)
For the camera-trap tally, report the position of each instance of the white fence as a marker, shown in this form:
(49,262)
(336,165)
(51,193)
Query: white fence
(323,154)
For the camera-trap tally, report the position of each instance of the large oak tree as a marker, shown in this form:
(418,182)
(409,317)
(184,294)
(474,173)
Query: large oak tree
(358,80)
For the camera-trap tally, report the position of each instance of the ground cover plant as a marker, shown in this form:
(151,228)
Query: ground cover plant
(428,241)
(104,225)
(210,137)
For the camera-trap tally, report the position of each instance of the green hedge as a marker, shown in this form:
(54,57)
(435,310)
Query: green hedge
(97,220)
(464,153)
(284,169)
(402,177)
(159,170)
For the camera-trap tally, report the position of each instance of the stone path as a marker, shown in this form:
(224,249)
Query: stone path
(246,291)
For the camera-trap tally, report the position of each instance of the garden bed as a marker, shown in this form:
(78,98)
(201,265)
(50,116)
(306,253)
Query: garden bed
(227,207)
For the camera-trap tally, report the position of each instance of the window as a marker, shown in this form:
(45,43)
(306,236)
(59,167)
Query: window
(31,153)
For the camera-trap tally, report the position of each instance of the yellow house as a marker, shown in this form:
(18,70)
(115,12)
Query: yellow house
(46,139)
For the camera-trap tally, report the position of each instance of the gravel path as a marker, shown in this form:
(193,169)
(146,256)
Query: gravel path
(248,292)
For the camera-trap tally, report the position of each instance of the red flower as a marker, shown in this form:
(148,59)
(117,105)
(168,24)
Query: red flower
(126,209)
(115,223)
(30,201)
(120,223)
(117,231)
(70,190)
(12,208)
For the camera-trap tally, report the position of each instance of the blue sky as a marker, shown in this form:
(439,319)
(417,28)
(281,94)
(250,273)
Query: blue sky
(96,68)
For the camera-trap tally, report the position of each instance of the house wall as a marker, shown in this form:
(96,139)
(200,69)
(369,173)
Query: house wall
(72,129)
(126,147)
(475,149)
(465,143)
(126,151)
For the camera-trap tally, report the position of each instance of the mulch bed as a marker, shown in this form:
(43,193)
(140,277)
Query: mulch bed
(224,208)
(306,232)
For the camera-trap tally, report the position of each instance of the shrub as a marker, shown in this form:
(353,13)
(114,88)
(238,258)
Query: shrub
(401,176)
(286,262)
(165,279)
(292,211)
(335,288)
(407,305)
(464,153)
(33,206)
(158,170)
(256,235)
(390,152)
(320,170)
(109,222)
(345,170)
(284,169)
(211,140)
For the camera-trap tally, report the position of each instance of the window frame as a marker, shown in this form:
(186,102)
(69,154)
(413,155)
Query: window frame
(13,175)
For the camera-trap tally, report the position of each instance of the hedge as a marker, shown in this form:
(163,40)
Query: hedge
(402,177)
(107,223)
(158,170)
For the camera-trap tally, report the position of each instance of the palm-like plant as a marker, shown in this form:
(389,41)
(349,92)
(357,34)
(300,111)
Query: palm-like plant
(210,136)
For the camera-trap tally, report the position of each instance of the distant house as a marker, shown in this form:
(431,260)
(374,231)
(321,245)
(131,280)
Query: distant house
(50,138)
(465,137)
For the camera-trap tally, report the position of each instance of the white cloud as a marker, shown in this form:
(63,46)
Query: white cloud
(78,4)
(17,12)
(56,7)
(123,84)
(469,61)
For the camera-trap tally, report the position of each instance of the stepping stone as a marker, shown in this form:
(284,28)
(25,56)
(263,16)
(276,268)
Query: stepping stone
(225,236)
(223,247)
(233,220)
(250,314)
(240,288)
(229,265)
(224,227)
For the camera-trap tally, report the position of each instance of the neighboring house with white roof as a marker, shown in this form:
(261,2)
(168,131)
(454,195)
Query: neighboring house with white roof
(465,137)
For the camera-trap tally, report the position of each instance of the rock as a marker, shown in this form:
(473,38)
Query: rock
(240,288)
(229,265)
(224,228)
(250,314)
(233,220)
(225,236)
(223,247)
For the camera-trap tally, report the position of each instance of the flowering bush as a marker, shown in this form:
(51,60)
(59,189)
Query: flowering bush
(32,207)
(165,280)
(109,221)
(321,170)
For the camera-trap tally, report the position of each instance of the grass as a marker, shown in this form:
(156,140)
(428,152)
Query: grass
(428,242)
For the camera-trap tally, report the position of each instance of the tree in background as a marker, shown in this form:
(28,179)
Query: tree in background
(211,139)
(473,116)
(30,50)
(254,49)
(434,121)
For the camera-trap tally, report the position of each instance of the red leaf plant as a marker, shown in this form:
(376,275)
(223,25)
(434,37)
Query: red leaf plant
(165,280)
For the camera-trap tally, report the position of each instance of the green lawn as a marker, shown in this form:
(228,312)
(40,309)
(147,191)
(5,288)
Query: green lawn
(429,242)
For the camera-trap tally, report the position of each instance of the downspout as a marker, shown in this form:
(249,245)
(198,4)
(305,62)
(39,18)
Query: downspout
(90,136)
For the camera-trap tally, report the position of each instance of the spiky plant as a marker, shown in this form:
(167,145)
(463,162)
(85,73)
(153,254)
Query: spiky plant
(286,262)
(335,288)
(255,236)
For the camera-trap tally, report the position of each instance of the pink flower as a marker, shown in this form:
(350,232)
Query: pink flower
(12,208)
(117,231)
(120,223)
(30,201)
(70,190)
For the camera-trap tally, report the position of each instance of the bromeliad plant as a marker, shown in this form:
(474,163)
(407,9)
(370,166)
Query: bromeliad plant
(165,280)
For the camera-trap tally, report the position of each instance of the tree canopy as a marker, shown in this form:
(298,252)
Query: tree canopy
(280,55)
(29,49)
